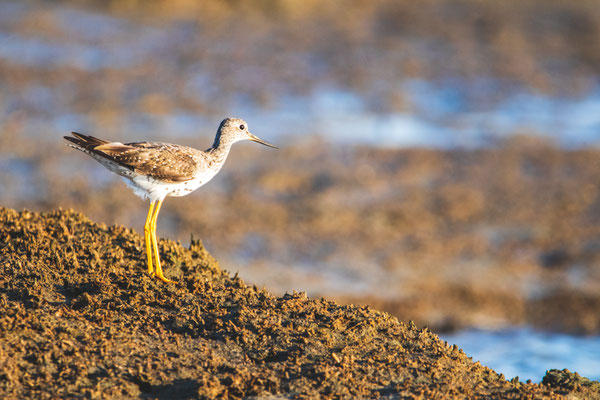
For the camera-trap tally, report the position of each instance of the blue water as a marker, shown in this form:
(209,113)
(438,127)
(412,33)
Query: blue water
(568,123)
(341,116)
(528,354)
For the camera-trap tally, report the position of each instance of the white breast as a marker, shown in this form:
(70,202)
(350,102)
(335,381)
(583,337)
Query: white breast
(152,189)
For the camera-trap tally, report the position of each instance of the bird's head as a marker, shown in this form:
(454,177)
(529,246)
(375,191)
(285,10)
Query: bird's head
(233,130)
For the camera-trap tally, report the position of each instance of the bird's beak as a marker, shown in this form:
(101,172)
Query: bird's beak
(259,140)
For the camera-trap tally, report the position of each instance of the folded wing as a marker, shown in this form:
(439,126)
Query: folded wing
(162,161)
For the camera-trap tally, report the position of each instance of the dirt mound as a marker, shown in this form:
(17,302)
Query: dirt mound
(81,317)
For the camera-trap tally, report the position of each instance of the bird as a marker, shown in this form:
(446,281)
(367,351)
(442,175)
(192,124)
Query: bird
(156,170)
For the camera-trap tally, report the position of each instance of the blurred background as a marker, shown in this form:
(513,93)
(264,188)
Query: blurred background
(438,160)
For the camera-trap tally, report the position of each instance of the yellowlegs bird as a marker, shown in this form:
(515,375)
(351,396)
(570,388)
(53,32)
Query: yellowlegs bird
(157,170)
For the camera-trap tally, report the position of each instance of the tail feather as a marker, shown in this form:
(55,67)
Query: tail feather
(89,138)
(84,142)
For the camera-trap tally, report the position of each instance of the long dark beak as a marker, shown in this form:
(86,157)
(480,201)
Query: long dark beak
(259,140)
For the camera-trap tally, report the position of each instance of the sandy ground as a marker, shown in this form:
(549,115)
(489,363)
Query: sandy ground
(81,318)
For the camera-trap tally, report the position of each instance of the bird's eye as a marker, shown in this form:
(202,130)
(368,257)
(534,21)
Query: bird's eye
(242,127)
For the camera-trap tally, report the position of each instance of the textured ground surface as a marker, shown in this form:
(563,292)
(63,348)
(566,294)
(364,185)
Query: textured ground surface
(80,317)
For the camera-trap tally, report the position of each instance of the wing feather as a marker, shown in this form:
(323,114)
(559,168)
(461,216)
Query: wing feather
(166,162)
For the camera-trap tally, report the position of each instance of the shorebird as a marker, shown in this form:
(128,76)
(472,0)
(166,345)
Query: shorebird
(156,170)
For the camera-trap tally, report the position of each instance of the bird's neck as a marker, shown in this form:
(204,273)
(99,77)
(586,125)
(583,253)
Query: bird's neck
(220,148)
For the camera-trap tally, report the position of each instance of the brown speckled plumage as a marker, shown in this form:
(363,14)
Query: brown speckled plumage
(156,170)
(165,162)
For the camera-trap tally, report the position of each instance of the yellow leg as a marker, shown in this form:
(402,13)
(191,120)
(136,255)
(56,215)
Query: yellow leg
(148,240)
(159,272)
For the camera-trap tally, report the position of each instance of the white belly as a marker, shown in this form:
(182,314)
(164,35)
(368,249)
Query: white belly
(148,188)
